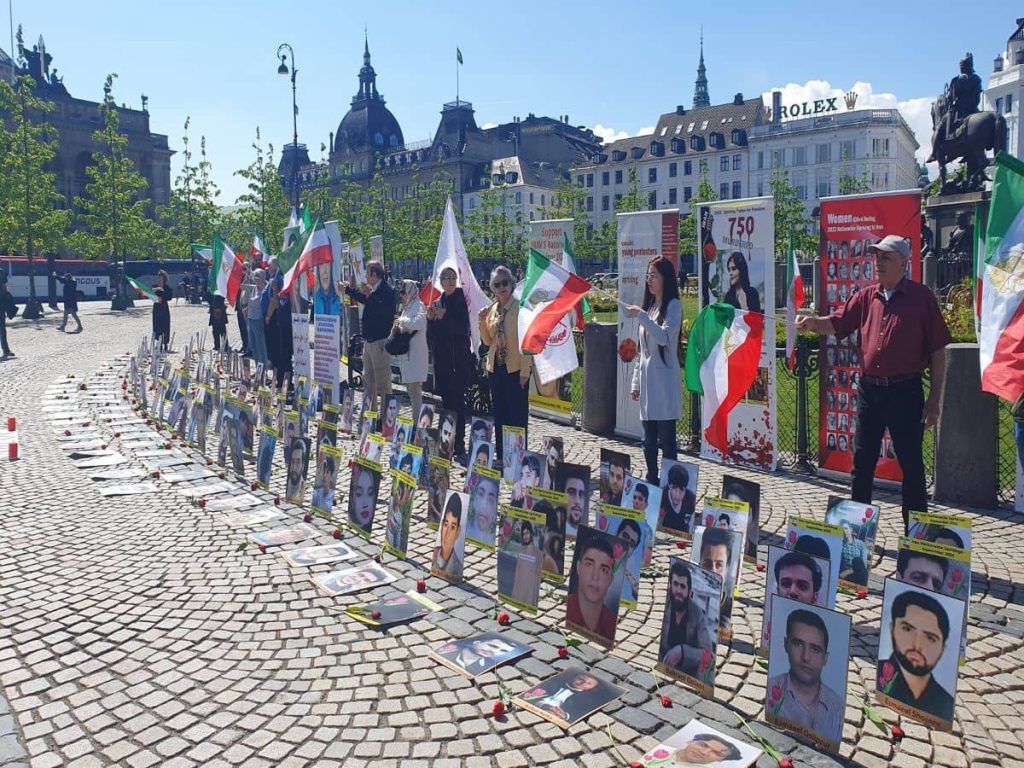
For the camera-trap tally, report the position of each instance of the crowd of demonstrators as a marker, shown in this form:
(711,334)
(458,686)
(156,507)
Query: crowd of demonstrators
(413,363)
(70,289)
(449,334)
(378,300)
(509,370)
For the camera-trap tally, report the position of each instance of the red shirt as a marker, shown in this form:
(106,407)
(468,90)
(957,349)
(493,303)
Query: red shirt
(898,336)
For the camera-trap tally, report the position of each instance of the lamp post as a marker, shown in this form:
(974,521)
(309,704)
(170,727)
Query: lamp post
(283,69)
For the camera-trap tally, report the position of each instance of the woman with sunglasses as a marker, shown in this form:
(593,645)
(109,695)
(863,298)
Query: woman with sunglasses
(448,334)
(657,380)
(508,368)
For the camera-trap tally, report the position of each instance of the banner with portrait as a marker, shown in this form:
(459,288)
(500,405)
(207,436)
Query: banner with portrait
(300,344)
(327,353)
(737,246)
(553,400)
(848,226)
(641,237)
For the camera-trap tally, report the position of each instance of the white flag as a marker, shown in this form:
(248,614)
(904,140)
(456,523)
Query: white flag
(452,253)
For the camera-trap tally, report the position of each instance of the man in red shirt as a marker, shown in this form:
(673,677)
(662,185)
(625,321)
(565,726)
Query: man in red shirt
(902,332)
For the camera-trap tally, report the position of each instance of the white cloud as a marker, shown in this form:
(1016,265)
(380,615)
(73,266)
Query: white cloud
(610,134)
(645,131)
(916,111)
(485,126)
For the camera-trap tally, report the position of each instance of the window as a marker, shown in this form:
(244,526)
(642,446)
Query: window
(378,139)
(579,180)
(652,175)
(717,140)
(678,146)
(472,203)
(652,200)
(778,158)
(739,137)
(999,104)
(1009,103)
(737,190)
(542,196)
(697,143)
(590,204)
(723,190)
(879,147)
(704,165)
(618,177)
(801,191)
(617,199)
(605,177)
(637,152)
(824,188)
(672,196)
(619,155)
(657,148)
(823,153)
(519,198)
(760,160)
(687,167)
(604,202)
(687,194)
(590,179)
(723,163)
(531,198)
(848,149)
(799,155)
(673,170)
(737,162)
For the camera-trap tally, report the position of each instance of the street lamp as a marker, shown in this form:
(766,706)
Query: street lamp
(283,69)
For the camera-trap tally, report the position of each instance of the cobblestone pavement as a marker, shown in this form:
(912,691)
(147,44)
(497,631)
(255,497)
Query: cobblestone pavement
(134,632)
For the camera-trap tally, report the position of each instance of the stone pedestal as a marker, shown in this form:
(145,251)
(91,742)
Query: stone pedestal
(945,266)
(599,345)
(967,437)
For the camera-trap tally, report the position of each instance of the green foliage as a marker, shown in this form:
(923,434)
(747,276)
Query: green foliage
(850,184)
(958,311)
(688,226)
(30,220)
(264,209)
(112,215)
(495,229)
(790,217)
(192,215)
(634,199)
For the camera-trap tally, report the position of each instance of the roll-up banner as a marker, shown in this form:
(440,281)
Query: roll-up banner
(738,268)
(848,226)
(554,399)
(641,236)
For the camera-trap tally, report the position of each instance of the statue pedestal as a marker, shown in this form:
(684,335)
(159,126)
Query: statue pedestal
(600,342)
(944,266)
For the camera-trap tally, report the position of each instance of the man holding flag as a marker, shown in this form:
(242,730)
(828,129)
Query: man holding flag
(378,300)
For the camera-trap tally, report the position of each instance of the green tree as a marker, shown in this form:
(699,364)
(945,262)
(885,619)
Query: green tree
(688,226)
(112,215)
(494,228)
(790,217)
(192,215)
(849,183)
(263,208)
(30,219)
(634,199)
(318,197)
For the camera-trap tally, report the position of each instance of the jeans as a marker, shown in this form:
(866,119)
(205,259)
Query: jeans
(510,403)
(258,341)
(899,408)
(655,433)
(376,371)
(243,330)
(3,337)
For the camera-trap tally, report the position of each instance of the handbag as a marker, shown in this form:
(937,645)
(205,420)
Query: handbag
(398,342)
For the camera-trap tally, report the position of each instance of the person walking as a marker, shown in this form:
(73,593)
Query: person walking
(902,332)
(218,321)
(413,364)
(70,300)
(254,317)
(162,310)
(378,300)
(449,334)
(509,370)
(657,379)
(8,309)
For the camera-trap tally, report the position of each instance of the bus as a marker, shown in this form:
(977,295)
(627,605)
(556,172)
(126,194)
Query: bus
(93,277)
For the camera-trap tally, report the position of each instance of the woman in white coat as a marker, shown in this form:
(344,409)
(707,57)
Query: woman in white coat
(657,379)
(413,363)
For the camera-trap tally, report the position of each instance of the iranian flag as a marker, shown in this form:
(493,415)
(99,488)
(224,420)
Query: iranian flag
(546,296)
(722,355)
(204,251)
(225,271)
(143,289)
(794,300)
(316,249)
(582,310)
(258,254)
(1002,300)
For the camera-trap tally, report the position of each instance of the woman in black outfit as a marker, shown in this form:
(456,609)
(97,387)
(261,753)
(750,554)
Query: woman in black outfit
(162,310)
(448,334)
(741,294)
(218,320)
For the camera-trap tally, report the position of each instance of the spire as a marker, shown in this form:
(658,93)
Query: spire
(367,77)
(700,90)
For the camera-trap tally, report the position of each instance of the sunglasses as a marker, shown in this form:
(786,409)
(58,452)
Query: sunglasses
(500,284)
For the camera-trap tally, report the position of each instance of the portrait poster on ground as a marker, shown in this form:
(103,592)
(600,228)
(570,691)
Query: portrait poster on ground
(439,471)
(739,489)
(327,352)
(479,654)
(393,609)
(449,553)
(950,530)
(574,481)
(700,744)
(396,535)
(689,628)
(569,696)
(940,568)
(737,246)
(819,539)
(810,648)
(549,531)
(265,457)
(678,497)
(723,513)
(720,551)
(300,345)
(324,553)
(364,488)
(513,444)
(519,559)
(553,400)
(859,522)
(798,576)
(592,608)
(918,653)
(483,488)
(325,480)
(641,236)
(351,580)
(849,224)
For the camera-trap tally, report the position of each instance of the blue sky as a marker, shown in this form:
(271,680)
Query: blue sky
(607,64)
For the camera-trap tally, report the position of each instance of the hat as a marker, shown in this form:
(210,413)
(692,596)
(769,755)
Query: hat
(893,244)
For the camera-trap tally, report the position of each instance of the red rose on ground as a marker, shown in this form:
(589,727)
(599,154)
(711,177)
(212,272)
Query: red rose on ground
(498,709)
(682,544)
(202,503)
(263,548)
(67,433)
(785,763)
(563,652)
(277,500)
(374,614)
(760,566)
(504,619)
(336,533)
(377,558)
(861,594)
(307,518)
(666,702)
(897,733)
(253,485)
(156,474)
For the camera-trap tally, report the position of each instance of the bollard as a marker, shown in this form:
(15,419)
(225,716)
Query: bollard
(12,451)
(12,424)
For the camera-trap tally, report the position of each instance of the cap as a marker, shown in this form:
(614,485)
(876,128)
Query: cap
(893,244)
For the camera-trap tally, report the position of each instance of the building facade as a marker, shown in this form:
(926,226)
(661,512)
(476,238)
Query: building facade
(874,145)
(1006,88)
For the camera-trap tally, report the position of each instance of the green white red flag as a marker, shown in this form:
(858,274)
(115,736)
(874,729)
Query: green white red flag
(225,272)
(143,289)
(316,250)
(722,355)
(582,310)
(1001,340)
(794,300)
(547,294)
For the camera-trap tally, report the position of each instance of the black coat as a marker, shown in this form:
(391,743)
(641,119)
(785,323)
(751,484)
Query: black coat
(378,310)
(450,340)
(218,314)
(70,293)
(162,311)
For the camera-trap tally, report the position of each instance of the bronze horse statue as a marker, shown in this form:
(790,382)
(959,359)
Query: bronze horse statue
(968,139)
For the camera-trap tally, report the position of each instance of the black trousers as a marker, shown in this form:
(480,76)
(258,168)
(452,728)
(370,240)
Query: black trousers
(243,330)
(510,401)
(3,336)
(899,408)
(655,433)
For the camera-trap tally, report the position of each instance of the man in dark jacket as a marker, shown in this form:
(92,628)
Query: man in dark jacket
(378,300)
(70,300)
(8,309)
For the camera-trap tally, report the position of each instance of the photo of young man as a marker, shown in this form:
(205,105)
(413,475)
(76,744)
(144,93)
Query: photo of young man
(450,544)
(326,553)
(741,490)
(574,481)
(678,497)
(323,491)
(795,575)
(592,587)
(689,630)
(531,475)
(569,696)
(718,550)
(298,464)
(476,655)
(519,559)
(396,535)
(807,671)
(438,479)
(614,468)
(700,746)
(352,580)
(918,652)
(483,509)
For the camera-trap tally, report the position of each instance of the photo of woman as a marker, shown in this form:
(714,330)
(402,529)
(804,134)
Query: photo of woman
(741,293)
(362,498)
